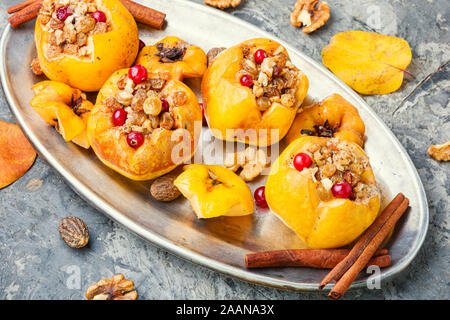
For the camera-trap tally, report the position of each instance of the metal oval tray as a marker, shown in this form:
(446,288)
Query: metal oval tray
(221,243)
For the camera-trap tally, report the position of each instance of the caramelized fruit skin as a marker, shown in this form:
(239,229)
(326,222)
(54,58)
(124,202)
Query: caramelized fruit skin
(154,157)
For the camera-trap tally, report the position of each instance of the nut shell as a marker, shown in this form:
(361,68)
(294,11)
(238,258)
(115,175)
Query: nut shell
(74,232)
(163,188)
(213,53)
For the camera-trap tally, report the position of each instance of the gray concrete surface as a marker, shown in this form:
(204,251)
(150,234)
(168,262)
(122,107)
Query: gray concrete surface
(36,264)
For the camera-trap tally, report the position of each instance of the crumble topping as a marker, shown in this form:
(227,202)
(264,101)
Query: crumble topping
(171,54)
(71,34)
(144,105)
(338,161)
(275,79)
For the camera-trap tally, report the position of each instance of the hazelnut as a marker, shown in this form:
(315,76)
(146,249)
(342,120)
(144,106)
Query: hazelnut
(163,189)
(213,53)
(74,232)
(116,288)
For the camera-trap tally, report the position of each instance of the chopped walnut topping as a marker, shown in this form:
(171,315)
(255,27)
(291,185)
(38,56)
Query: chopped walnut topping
(223,4)
(116,288)
(171,54)
(36,67)
(336,162)
(310,15)
(251,160)
(72,34)
(144,106)
(440,152)
(275,79)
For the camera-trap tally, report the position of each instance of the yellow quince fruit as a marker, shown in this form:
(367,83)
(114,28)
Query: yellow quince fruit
(215,191)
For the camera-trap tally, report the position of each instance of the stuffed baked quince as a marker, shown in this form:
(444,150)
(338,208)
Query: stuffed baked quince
(332,117)
(323,189)
(251,89)
(142,126)
(173,58)
(64,108)
(82,42)
(214,191)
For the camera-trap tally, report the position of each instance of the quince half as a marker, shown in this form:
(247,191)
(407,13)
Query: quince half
(304,200)
(173,58)
(64,108)
(215,191)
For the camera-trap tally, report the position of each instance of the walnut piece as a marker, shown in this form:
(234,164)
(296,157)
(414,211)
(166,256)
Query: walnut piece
(251,161)
(116,288)
(440,152)
(36,67)
(223,4)
(74,232)
(310,15)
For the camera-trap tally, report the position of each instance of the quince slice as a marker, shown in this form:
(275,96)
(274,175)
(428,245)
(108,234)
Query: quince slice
(215,191)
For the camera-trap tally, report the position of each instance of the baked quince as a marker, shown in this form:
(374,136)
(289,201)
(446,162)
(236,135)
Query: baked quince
(142,126)
(332,117)
(214,191)
(64,108)
(323,189)
(252,92)
(173,58)
(81,43)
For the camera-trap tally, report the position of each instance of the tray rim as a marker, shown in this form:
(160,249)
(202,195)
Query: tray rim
(195,257)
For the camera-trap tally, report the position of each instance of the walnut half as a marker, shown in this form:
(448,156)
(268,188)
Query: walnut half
(116,288)
(440,152)
(310,15)
(251,160)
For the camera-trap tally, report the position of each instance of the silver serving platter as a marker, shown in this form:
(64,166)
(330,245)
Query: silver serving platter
(221,243)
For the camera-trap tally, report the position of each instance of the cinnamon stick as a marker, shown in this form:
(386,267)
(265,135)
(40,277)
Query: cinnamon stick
(29,9)
(347,279)
(26,14)
(313,258)
(363,242)
(145,15)
(20,6)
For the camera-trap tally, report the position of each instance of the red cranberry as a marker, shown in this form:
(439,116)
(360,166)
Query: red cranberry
(342,189)
(100,16)
(138,74)
(302,161)
(164,106)
(260,197)
(260,55)
(246,80)
(141,45)
(62,13)
(119,117)
(204,122)
(135,139)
